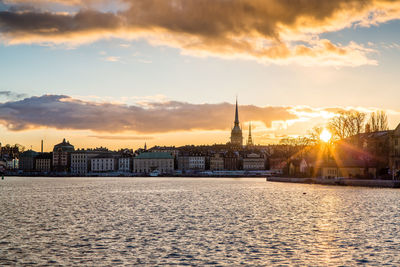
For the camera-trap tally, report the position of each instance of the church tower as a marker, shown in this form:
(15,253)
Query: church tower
(250,139)
(236,134)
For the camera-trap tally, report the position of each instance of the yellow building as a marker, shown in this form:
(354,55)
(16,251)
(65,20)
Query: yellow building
(217,162)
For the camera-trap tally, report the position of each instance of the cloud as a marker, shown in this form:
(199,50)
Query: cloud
(122,137)
(277,31)
(112,59)
(11,95)
(64,112)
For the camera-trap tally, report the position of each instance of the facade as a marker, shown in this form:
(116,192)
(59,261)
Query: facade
(151,161)
(124,164)
(254,162)
(231,161)
(192,162)
(103,163)
(217,162)
(172,150)
(80,161)
(61,156)
(348,168)
(43,162)
(27,161)
(394,160)
(12,164)
(2,166)
(236,133)
(278,165)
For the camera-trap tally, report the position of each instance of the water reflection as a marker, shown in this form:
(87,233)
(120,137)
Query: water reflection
(195,221)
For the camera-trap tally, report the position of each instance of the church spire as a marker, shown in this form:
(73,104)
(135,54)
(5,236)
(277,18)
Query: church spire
(250,139)
(236,134)
(236,114)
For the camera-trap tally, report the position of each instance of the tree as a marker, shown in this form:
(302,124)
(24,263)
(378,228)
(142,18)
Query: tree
(378,121)
(315,135)
(346,124)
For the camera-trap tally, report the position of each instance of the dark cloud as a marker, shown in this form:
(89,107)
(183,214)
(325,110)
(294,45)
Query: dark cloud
(266,29)
(121,137)
(64,112)
(11,95)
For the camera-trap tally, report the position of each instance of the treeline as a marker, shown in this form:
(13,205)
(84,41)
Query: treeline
(350,123)
(346,124)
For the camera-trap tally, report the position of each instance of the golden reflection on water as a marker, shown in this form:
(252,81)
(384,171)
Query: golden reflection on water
(201,222)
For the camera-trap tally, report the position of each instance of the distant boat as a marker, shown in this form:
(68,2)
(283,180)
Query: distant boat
(154,173)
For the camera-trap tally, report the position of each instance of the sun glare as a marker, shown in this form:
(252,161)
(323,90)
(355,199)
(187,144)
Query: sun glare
(325,135)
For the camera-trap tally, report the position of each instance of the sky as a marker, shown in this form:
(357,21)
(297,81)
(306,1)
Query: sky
(167,72)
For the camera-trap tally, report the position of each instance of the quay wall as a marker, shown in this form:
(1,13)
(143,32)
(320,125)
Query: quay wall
(338,181)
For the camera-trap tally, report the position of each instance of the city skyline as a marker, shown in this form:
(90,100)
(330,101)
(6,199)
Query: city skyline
(157,78)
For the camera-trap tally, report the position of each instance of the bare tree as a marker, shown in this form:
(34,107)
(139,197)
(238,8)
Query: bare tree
(315,135)
(378,121)
(347,124)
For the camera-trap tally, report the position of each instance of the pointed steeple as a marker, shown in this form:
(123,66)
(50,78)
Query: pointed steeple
(236,114)
(236,134)
(145,146)
(250,139)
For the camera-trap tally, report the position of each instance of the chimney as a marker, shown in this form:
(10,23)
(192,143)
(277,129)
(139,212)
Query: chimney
(42,147)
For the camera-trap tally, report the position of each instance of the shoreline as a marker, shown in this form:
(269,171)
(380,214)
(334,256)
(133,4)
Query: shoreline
(338,182)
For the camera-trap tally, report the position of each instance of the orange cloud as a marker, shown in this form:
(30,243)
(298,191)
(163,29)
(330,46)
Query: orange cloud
(269,31)
(63,112)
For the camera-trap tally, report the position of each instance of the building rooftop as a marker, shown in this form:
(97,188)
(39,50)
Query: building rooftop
(154,155)
(29,153)
(65,146)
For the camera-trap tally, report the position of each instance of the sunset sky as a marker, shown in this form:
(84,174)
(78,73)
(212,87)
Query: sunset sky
(166,72)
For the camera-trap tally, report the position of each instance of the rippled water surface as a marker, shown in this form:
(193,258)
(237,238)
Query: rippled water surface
(179,221)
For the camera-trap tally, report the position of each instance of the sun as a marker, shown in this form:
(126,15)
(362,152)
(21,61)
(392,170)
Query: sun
(325,136)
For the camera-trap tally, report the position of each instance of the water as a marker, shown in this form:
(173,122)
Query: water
(162,221)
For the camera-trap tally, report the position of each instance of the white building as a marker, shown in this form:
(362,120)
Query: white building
(103,163)
(79,163)
(12,164)
(124,164)
(192,163)
(150,161)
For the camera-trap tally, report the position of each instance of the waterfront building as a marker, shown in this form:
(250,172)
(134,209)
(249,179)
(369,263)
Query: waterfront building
(192,162)
(348,168)
(236,133)
(27,160)
(169,149)
(254,161)
(124,164)
(217,162)
(2,166)
(12,164)
(395,152)
(231,161)
(147,162)
(61,156)
(80,161)
(43,162)
(278,165)
(103,163)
